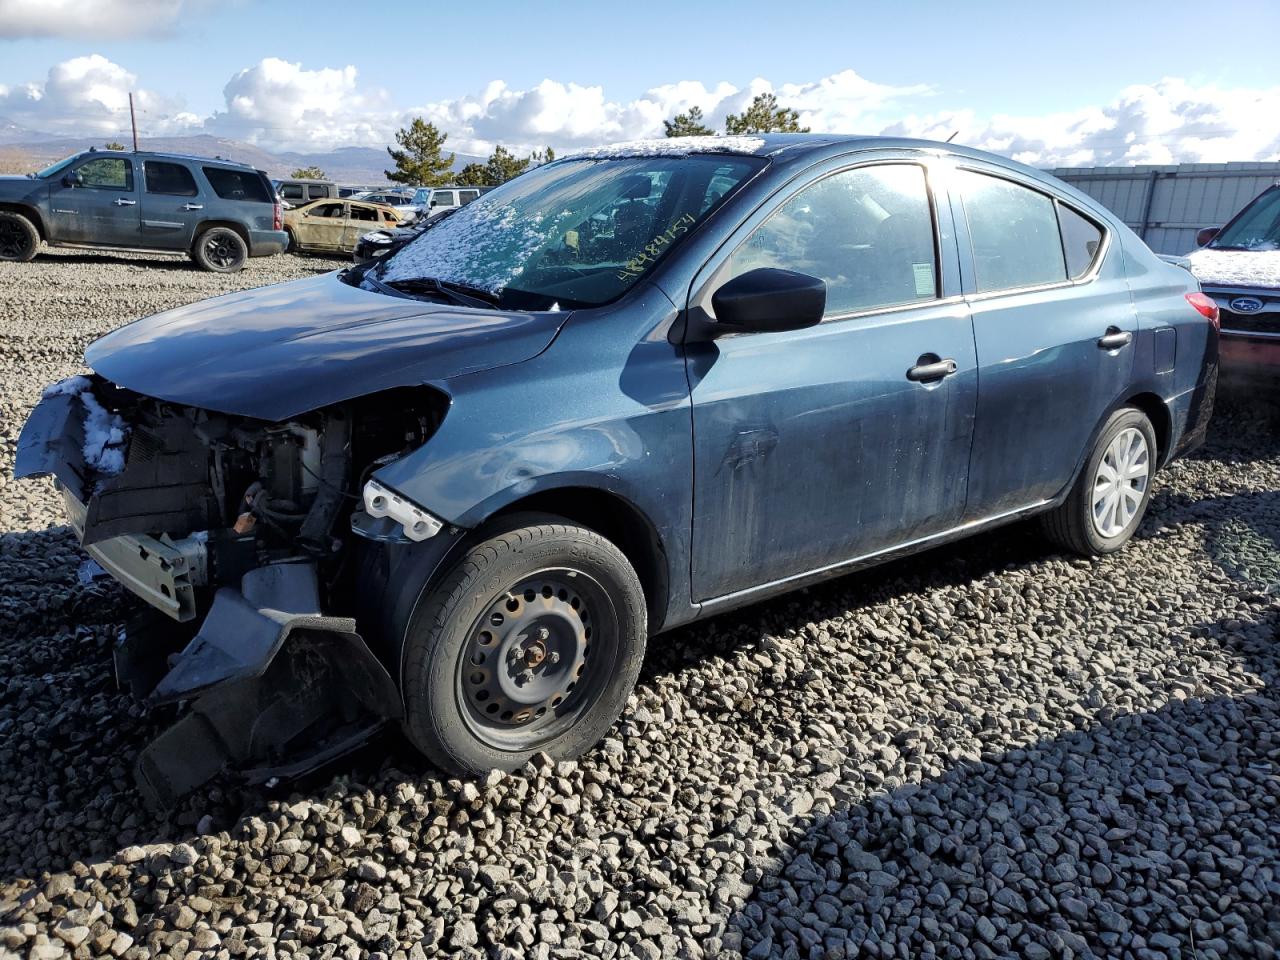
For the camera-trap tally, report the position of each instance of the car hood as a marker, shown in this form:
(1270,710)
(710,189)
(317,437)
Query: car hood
(1237,268)
(279,351)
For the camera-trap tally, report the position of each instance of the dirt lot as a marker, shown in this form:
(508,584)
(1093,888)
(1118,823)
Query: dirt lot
(989,750)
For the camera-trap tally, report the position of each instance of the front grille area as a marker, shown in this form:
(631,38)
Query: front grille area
(1266,320)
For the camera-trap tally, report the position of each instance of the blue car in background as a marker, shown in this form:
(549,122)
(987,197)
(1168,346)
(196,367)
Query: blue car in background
(459,487)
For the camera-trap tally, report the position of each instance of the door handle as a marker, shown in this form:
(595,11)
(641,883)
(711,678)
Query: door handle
(1114,339)
(931,370)
(122,202)
(193,206)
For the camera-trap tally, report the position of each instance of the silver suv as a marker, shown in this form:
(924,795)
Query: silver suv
(217,212)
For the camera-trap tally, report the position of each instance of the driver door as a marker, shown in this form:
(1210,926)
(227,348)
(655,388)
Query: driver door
(813,447)
(96,201)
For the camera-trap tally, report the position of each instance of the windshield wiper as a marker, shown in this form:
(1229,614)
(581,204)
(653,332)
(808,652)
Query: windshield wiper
(459,293)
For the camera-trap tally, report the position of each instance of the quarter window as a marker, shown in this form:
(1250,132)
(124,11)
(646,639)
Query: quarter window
(172,179)
(1014,233)
(466,196)
(1081,238)
(107,173)
(237,184)
(867,232)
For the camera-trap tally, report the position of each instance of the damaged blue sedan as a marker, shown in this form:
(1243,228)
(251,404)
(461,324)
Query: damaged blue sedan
(459,487)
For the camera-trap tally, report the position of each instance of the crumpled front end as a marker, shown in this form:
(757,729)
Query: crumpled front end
(239,533)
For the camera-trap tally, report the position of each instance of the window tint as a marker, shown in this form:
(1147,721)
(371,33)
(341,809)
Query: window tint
(237,184)
(316,190)
(466,196)
(364,213)
(1081,238)
(1014,232)
(169,178)
(442,198)
(291,191)
(107,173)
(867,232)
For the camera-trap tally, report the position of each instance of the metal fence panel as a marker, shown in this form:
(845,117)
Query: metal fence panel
(1167,205)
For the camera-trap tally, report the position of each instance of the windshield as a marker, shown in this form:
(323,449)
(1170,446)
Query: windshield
(1256,228)
(422,195)
(57,167)
(577,233)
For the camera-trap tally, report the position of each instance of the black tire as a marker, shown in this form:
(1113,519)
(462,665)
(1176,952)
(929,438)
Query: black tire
(292,245)
(220,250)
(19,238)
(535,587)
(1072,525)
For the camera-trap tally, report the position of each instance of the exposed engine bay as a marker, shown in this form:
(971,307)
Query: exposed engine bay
(243,535)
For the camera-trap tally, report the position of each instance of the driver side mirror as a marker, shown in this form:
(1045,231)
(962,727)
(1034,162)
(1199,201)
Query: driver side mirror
(768,300)
(1205,236)
(73,179)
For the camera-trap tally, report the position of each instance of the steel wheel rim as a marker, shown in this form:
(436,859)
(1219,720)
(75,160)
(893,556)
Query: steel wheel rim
(13,239)
(535,658)
(221,250)
(1120,483)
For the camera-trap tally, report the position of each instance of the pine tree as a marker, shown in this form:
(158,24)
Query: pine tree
(687,124)
(421,159)
(472,175)
(539,157)
(764,116)
(503,166)
(308,173)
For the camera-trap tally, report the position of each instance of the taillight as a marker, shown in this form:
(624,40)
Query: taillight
(1205,306)
(277,217)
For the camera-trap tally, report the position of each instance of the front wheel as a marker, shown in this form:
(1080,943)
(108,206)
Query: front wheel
(1111,494)
(19,238)
(532,641)
(220,250)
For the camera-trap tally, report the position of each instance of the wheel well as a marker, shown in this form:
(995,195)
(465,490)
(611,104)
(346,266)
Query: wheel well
(1158,413)
(619,521)
(30,213)
(229,224)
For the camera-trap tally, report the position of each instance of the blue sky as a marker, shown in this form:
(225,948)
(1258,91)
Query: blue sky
(919,64)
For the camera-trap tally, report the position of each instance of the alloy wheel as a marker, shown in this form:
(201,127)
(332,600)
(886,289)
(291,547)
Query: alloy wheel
(13,240)
(221,251)
(1120,483)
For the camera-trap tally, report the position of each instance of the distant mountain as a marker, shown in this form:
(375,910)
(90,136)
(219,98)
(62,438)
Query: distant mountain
(22,151)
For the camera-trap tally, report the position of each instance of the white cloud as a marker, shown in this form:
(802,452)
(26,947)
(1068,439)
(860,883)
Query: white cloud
(87,18)
(277,103)
(87,95)
(1171,121)
(281,105)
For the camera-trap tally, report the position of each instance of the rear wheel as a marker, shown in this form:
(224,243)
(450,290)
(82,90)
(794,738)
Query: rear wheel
(1111,494)
(531,642)
(220,250)
(19,238)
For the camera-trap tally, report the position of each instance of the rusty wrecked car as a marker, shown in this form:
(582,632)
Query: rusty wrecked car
(458,487)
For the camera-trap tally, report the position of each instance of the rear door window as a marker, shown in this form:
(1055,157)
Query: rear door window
(317,191)
(1081,239)
(1014,233)
(442,198)
(466,196)
(292,191)
(867,232)
(172,179)
(327,210)
(107,173)
(237,184)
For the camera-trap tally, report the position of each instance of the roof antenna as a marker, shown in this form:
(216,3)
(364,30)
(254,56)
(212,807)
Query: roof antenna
(954,133)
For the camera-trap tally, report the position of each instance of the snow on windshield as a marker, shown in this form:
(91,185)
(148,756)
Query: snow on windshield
(1237,268)
(485,245)
(672,147)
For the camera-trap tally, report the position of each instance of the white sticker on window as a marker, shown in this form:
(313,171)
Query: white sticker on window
(925,287)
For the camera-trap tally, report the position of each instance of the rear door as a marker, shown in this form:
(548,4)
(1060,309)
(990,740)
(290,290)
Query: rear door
(1054,324)
(361,218)
(172,206)
(103,208)
(817,446)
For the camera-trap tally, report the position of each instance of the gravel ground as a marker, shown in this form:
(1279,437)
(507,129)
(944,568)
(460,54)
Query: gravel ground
(986,751)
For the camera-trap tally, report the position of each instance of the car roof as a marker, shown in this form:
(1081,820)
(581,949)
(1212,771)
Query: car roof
(179,156)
